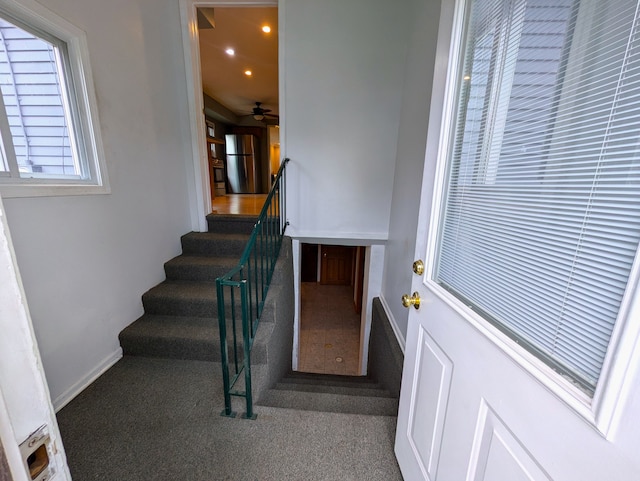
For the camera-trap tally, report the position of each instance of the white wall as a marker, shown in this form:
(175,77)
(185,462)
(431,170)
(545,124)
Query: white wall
(409,161)
(85,261)
(343,68)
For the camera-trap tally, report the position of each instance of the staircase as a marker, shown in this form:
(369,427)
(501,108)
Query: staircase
(180,322)
(180,314)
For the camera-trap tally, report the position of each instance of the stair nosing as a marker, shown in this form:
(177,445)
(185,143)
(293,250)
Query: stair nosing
(378,391)
(376,406)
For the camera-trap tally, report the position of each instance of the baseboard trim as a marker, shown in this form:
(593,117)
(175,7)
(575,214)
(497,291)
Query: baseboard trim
(392,322)
(66,397)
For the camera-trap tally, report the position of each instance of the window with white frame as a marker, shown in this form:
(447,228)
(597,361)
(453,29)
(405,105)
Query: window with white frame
(541,219)
(49,136)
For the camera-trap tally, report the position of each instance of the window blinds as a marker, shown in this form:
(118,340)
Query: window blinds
(541,220)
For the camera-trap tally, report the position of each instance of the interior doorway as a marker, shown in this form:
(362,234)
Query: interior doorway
(332,279)
(238,53)
(201,200)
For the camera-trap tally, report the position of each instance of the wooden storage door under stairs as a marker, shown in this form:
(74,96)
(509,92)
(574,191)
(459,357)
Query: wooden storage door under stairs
(336,266)
(344,265)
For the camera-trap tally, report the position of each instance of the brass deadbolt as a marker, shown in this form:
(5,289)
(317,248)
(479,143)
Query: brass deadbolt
(413,300)
(418,267)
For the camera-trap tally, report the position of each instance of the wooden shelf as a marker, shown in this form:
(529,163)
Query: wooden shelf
(212,140)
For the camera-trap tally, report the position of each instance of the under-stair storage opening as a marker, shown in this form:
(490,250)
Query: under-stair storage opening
(331,324)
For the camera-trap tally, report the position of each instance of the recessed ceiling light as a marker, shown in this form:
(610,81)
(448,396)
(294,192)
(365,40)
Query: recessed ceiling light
(266,29)
(230,52)
(248,73)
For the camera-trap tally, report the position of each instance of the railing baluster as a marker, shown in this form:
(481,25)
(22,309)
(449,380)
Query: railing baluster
(255,270)
(224,353)
(250,270)
(247,353)
(234,328)
(262,261)
(252,276)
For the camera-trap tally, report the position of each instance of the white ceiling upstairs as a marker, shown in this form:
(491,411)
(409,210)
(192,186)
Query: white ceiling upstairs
(223,75)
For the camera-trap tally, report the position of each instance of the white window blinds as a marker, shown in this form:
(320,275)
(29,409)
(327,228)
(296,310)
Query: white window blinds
(541,220)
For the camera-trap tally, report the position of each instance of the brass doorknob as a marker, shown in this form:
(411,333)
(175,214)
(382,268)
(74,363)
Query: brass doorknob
(413,300)
(418,267)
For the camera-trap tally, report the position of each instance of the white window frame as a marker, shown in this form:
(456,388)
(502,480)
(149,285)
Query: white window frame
(86,113)
(623,356)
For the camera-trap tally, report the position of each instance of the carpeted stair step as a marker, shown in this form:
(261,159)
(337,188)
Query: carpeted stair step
(207,269)
(332,384)
(214,244)
(231,224)
(188,299)
(330,402)
(194,299)
(299,377)
(175,337)
(198,268)
(351,390)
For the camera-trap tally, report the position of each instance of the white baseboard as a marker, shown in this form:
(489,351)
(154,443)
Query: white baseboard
(63,399)
(394,325)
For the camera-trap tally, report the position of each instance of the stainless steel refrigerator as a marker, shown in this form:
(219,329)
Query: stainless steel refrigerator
(242,164)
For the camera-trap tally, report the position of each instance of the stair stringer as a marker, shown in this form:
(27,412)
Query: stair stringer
(277,338)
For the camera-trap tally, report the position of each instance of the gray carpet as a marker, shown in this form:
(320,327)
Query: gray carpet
(159,419)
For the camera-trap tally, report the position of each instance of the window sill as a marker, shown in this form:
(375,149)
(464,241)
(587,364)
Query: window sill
(8,191)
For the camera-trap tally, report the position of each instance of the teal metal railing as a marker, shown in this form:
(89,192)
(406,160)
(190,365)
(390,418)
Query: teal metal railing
(242,293)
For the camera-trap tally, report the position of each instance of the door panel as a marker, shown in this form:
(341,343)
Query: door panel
(497,455)
(336,266)
(428,405)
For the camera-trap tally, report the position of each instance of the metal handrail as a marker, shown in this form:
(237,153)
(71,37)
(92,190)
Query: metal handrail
(251,277)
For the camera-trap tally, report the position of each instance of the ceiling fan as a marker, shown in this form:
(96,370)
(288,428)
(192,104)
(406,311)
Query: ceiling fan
(259,113)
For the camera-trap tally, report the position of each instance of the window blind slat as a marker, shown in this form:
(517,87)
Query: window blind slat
(541,220)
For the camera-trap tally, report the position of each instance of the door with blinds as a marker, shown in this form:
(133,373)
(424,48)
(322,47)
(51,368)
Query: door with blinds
(521,357)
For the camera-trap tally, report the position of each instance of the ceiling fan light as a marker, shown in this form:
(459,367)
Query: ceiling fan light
(258,116)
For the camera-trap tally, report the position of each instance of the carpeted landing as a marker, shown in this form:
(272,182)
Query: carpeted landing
(159,419)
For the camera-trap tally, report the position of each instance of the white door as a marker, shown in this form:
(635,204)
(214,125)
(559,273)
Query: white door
(476,405)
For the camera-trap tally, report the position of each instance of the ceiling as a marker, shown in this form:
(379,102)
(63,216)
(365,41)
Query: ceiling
(223,76)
